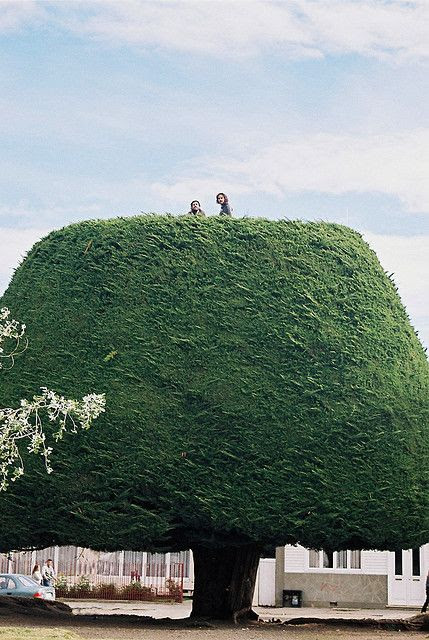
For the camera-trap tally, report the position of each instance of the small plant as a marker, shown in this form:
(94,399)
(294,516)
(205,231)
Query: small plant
(174,590)
(61,583)
(83,584)
(136,591)
(105,590)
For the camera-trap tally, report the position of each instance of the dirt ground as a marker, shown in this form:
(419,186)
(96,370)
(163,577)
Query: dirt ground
(24,619)
(108,629)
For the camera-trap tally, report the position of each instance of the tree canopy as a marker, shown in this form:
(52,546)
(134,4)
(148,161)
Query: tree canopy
(263,385)
(23,423)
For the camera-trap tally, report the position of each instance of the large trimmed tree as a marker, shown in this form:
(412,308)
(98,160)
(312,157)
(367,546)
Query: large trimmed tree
(263,386)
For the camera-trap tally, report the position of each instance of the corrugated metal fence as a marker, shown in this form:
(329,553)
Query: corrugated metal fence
(120,575)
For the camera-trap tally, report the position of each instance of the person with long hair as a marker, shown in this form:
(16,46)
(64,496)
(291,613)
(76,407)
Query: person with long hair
(36,574)
(225,209)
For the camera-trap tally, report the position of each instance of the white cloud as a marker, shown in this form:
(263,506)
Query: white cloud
(203,189)
(374,28)
(14,244)
(395,29)
(216,28)
(14,15)
(393,164)
(407,258)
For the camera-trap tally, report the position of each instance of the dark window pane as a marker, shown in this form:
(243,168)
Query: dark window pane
(398,563)
(416,562)
(328,559)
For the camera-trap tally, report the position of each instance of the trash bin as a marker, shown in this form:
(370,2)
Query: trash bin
(292,598)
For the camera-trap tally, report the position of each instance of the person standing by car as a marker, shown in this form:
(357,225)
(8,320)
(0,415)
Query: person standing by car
(36,574)
(225,209)
(48,573)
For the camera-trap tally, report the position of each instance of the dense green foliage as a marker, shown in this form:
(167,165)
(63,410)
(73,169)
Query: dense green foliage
(263,383)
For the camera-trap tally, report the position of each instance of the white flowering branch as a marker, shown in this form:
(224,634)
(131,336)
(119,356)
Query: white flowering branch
(11,331)
(25,421)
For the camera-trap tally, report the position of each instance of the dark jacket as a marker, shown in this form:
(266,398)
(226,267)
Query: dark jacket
(225,209)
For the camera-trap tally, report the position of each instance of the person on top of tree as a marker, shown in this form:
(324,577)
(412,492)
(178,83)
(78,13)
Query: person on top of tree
(196,209)
(225,209)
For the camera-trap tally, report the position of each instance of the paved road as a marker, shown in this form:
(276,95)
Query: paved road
(175,610)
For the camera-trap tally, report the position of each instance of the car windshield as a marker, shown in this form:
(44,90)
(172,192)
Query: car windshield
(27,582)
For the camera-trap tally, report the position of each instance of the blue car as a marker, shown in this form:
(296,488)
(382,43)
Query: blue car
(19,586)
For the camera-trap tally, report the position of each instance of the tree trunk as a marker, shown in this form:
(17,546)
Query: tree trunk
(224,582)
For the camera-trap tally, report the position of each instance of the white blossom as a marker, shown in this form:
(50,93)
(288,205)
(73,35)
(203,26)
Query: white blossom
(25,422)
(11,333)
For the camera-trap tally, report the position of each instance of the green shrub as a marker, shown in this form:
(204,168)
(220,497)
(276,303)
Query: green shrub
(83,584)
(105,590)
(61,582)
(137,591)
(174,590)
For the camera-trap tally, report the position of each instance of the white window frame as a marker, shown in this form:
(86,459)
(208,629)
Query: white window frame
(334,569)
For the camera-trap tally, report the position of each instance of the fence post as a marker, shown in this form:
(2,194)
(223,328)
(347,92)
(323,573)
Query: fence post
(167,559)
(121,564)
(56,558)
(10,562)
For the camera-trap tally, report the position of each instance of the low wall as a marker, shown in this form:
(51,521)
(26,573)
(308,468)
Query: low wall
(346,590)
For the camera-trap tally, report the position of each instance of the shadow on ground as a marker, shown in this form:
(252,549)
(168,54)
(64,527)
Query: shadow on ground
(62,614)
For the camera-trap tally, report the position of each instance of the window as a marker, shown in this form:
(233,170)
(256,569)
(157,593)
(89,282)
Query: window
(416,562)
(398,562)
(314,559)
(344,559)
(328,559)
(27,582)
(9,584)
(355,562)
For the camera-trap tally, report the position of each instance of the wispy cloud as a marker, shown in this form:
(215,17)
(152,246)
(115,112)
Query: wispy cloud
(407,258)
(17,14)
(393,164)
(15,243)
(394,29)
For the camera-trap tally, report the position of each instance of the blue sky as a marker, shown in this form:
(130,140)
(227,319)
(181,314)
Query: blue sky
(312,109)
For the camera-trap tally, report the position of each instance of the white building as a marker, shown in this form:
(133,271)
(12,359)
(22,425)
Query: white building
(370,579)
